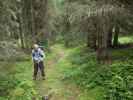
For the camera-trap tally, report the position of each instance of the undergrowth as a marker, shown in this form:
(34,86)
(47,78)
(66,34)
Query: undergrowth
(116,80)
(14,85)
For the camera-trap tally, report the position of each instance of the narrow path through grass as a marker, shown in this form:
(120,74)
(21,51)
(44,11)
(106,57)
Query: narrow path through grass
(54,76)
(56,64)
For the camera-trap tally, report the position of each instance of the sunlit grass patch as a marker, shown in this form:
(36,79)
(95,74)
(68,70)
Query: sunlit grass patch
(126,39)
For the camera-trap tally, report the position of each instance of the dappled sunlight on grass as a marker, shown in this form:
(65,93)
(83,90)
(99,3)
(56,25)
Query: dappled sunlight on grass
(126,39)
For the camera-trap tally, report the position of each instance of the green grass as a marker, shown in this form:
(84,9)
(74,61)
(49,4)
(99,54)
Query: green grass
(66,67)
(126,39)
(73,74)
(93,94)
(73,67)
(87,74)
(56,65)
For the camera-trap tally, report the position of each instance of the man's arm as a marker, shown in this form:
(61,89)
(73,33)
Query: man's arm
(42,54)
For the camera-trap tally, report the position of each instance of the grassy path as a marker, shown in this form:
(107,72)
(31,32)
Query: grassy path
(54,74)
(55,65)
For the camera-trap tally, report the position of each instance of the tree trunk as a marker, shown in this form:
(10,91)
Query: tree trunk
(91,41)
(101,48)
(103,51)
(39,20)
(109,41)
(116,36)
(33,32)
(92,38)
(21,35)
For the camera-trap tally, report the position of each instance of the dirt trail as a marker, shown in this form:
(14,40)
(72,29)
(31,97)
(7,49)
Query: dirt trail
(53,83)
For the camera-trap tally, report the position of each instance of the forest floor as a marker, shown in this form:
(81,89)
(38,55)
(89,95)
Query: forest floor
(55,65)
(53,84)
(61,64)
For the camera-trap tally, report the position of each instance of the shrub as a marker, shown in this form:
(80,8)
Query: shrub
(116,79)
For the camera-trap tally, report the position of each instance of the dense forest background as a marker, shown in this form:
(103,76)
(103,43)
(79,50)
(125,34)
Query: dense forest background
(95,35)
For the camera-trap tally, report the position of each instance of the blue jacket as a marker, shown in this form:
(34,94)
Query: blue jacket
(38,55)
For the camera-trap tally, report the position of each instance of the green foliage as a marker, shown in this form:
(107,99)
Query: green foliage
(120,85)
(13,86)
(23,90)
(6,83)
(8,19)
(116,79)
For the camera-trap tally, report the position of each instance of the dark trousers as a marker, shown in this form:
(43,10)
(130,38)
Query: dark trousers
(38,66)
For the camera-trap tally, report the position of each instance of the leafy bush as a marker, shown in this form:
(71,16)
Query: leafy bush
(23,91)
(9,84)
(6,78)
(116,79)
(120,85)
(12,87)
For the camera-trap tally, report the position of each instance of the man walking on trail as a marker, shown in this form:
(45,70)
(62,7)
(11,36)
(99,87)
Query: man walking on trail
(38,57)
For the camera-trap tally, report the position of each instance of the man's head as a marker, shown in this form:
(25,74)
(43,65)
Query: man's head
(36,46)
